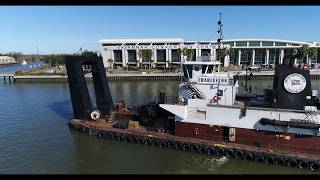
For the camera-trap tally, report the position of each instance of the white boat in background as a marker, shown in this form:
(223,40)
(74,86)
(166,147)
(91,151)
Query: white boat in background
(24,63)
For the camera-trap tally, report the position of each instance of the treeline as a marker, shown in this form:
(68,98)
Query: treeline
(59,59)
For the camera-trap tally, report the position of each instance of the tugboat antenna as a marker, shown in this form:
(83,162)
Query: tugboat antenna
(220,37)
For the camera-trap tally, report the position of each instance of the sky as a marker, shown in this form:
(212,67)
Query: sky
(64,29)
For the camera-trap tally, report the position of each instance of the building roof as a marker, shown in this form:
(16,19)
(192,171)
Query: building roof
(136,41)
(6,57)
(180,40)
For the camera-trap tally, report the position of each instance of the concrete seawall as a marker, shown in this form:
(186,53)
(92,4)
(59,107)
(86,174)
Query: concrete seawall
(263,75)
(111,77)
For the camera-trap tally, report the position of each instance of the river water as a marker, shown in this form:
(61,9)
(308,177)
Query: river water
(35,137)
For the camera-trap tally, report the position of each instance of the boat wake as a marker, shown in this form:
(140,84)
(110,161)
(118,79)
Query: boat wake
(208,163)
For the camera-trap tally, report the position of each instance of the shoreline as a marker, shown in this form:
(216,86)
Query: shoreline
(263,75)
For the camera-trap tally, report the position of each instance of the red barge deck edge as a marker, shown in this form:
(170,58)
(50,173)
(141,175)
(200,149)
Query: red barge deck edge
(269,154)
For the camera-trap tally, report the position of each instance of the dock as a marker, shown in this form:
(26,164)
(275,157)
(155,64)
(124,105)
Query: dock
(111,77)
(262,75)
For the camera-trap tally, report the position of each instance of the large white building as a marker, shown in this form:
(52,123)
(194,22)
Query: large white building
(7,60)
(124,52)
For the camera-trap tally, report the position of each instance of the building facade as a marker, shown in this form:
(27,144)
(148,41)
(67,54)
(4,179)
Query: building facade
(7,60)
(125,52)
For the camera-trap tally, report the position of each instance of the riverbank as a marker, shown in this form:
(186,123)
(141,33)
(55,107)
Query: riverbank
(111,77)
(133,76)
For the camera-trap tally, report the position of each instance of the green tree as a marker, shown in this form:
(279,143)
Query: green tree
(54,59)
(110,61)
(152,63)
(89,53)
(189,53)
(302,52)
(312,52)
(145,54)
(181,52)
(223,52)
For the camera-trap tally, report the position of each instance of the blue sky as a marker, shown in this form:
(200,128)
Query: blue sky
(64,29)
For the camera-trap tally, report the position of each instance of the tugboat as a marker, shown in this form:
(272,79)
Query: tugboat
(281,127)
(284,117)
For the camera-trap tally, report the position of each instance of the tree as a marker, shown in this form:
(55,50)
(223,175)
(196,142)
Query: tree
(54,59)
(17,56)
(152,63)
(312,52)
(145,54)
(189,53)
(222,53)
(89,53)
(181,52)
(110,61)
(302,52)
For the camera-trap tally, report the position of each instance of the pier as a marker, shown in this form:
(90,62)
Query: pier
(111,77)
(8,76)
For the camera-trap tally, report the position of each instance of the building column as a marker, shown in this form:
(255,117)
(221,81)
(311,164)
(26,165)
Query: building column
(239,57)
(167,57)
(112,54)
(124,57)
(281,56)
(138,57)
(211,52)
(170,55)
(197,53)
(267,56)
(214,52)
(226,61)
(154,55)
(253,56)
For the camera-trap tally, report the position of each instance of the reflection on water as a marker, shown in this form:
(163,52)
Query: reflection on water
(35,137)
(13,68)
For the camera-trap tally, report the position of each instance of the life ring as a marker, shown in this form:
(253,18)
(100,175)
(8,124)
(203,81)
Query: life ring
(314,165)
(229,153)
(196,131)
(219,151)
(216,98)
(161,130)
(95,115)
(292,162)
(210,151)
(238,154)
(269,159)
(303,164)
